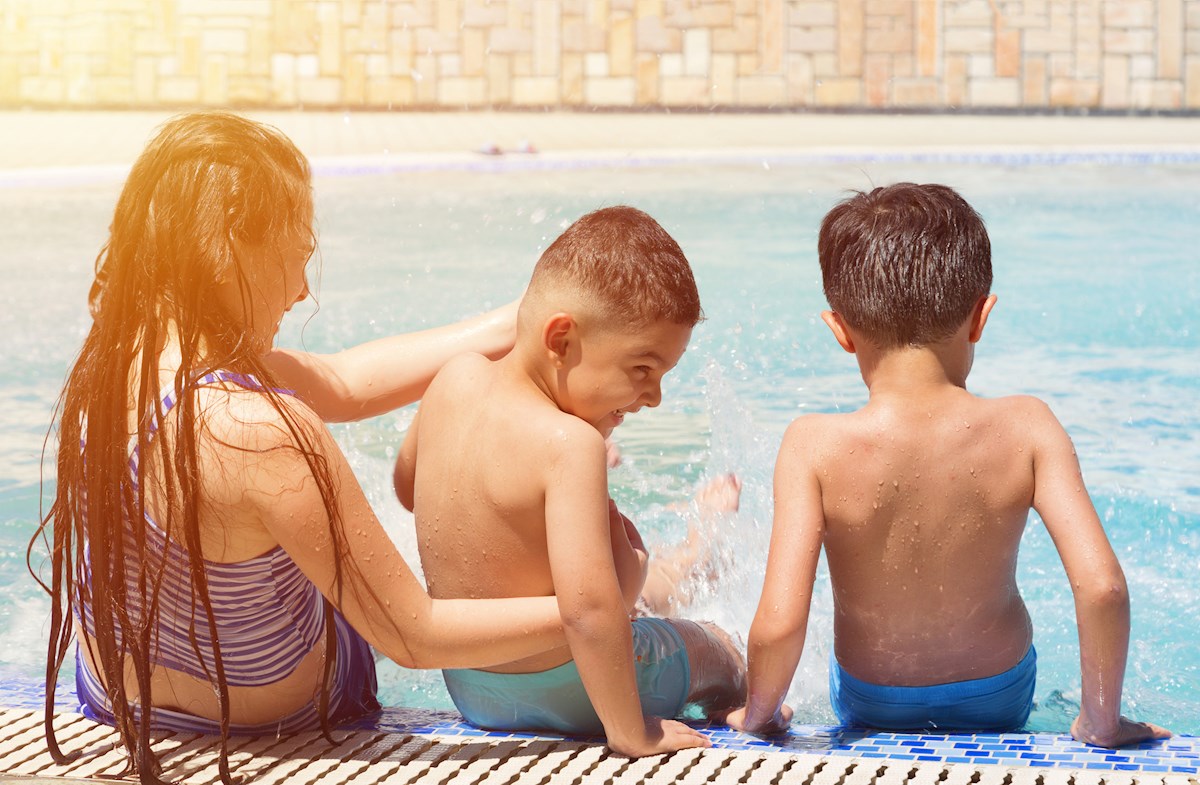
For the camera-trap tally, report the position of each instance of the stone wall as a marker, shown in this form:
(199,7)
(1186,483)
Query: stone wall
(913,54)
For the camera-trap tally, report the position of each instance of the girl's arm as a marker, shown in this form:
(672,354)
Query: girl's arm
(378,376)
(378,593)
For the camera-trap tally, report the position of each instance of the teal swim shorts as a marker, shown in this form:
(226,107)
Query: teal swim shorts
(554,700)
(995,703)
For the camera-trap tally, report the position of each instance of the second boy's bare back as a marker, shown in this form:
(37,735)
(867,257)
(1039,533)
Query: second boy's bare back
(920,499)
(505,469)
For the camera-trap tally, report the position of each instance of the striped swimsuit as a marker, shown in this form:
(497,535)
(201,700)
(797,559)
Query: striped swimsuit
(268,616)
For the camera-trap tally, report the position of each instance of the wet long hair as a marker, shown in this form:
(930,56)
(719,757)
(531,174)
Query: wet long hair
(206,185)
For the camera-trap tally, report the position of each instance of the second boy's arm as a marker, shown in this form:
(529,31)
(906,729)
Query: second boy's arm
(594,616)
(1097,581)
(778,631)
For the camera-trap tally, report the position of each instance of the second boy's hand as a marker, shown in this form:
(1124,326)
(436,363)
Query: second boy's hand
(1127,732)
(779,723)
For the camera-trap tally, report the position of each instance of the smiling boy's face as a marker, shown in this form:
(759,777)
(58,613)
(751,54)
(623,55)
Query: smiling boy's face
(610,372)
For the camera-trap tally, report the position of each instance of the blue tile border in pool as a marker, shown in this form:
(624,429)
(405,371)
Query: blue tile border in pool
(1177,755)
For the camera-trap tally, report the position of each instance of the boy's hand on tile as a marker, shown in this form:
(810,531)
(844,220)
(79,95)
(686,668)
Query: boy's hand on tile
(662,736)
(1126,733)
(782,720)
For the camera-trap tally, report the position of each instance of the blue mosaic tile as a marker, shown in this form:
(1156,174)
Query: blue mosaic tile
(1180,754)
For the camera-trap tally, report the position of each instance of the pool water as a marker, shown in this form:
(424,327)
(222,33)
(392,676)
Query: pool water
(1099,295)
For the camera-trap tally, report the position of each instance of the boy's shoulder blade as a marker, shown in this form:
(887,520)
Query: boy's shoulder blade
(810,436)
(1021,408)
(564,435)
(460,371)
(820,425)
(465,363)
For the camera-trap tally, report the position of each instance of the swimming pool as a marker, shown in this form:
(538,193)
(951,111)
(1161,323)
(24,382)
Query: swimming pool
(1098,314)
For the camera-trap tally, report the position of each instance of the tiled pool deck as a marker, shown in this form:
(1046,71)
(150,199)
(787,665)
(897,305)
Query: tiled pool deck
(409,746)
(1178,755)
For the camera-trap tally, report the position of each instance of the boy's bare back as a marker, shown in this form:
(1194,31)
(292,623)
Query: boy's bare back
(486,440)
(920,498)
(924,500)
(505,470)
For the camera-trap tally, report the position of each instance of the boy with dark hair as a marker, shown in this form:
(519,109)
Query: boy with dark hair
(920,498)
(504,468)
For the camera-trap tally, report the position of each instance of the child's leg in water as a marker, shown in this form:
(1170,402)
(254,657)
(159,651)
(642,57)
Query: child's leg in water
(673,571)
(718,669)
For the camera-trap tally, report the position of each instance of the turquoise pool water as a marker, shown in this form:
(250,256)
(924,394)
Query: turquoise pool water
(1099,287)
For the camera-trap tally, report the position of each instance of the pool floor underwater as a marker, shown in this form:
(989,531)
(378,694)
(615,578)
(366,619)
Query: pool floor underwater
(409,746)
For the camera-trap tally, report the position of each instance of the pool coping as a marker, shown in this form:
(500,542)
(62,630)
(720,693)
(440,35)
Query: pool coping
(475,162)
(1177,755)
(410,745)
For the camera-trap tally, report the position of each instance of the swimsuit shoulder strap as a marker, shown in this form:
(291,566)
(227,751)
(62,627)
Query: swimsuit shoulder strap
(168,399)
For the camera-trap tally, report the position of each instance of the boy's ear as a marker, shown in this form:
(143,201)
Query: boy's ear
(979,317)
(837,325)
(558,337)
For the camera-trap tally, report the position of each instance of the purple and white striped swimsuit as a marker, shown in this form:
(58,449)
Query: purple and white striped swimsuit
(268,616)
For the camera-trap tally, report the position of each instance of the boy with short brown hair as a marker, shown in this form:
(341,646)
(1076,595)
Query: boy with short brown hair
(505,470)
(920,498)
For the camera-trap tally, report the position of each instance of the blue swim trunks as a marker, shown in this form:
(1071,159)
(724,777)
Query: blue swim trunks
(996,703)
(554,700)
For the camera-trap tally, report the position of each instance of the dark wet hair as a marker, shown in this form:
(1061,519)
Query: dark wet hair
(206,184)
(631,269)
(905,263)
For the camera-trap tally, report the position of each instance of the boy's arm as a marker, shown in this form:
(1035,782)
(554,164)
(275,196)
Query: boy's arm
(629,555)
(777,633)
(1097,581)
(378,376)
(595,621)
(405,474)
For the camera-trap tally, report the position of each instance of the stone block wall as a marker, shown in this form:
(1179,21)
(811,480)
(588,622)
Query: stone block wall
(912,54)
